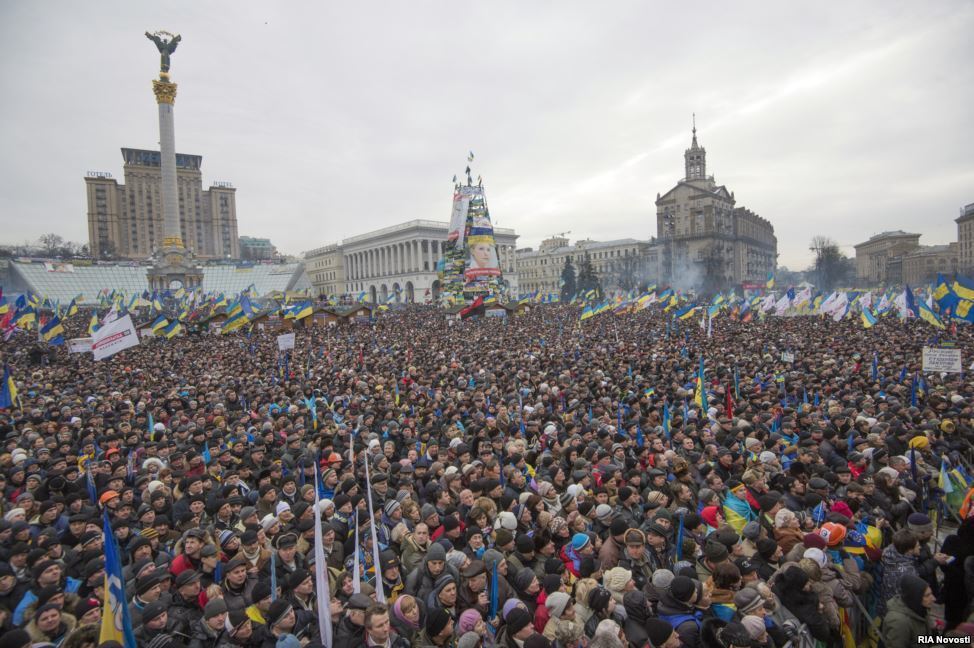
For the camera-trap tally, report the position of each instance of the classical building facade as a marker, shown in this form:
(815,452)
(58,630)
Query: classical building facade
(923,264)
(705,238)
(127,220)
(326,269)
(623,264)
(874,256)
(398,261)
(965,239)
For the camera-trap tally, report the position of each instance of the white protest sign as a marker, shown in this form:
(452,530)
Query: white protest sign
(114,337)
(285,342)
(938,360)
(79,345)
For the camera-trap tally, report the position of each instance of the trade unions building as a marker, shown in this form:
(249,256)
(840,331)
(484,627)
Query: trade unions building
(397,262)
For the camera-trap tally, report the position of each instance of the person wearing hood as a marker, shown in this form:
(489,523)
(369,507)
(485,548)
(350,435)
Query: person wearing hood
(421,580)
(637,613)
(794,590)
(406,616)
(907,617)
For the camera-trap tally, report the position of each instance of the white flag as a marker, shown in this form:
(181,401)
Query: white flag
(380,590)
(321,576)
(114,337)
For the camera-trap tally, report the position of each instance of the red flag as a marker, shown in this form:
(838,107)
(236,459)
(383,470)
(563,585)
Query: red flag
(729,406)
(361,357)
(477,303)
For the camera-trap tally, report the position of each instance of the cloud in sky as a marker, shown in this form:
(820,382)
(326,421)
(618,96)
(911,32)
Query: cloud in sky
(335,119)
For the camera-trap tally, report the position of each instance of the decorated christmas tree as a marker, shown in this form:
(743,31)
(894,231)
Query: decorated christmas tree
(470,267)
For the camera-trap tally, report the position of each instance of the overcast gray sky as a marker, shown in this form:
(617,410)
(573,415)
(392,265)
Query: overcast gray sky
(331,119)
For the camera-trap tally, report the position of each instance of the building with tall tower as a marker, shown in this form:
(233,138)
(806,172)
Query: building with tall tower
(162,209)
(706,240)
(126,220)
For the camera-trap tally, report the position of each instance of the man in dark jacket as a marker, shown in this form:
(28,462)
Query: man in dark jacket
(350,632)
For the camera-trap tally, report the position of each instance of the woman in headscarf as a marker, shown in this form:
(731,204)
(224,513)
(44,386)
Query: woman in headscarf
(406,617)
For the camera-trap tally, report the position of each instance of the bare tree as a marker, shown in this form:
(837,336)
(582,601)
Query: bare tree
(51,244)
(831,267)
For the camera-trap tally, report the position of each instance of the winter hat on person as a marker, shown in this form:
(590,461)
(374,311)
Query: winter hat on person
(754,625)
(288,641)
(517,620)
(436,552)
(436,620)
(618,527)
(468,620)
(783,518)
(817,555)
(715,552)
(277,611)
(814,540)
(506,520)
(153,610)
(919,523)
(523,578)
(598,599)
(15,638)
(747,599)
(662,579)
(682,589)
(734,634)
(751,530)
(843,509)
(509,606)
(832,533)
(214,608)
(235,620)
(468,640)
(912,589)
(658,632)
(556,603)
(603,512)
(767,547)
(502,537)
(616,578)
(579,541)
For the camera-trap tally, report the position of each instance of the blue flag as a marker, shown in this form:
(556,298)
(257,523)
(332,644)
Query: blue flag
(116,624)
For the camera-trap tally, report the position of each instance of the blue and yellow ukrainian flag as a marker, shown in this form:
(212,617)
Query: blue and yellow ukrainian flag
(769,284)
(868,319)
(700,393)
(160,323)
(8,390)
(116,624)
(172,330)
(93,324)
(52,332)
(929,316)
(303,310)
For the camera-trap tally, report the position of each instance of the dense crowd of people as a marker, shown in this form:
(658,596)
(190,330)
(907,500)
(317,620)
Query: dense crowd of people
(534,482)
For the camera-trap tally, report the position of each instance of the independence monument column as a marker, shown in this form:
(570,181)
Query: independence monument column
(172,266)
